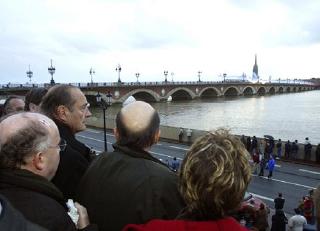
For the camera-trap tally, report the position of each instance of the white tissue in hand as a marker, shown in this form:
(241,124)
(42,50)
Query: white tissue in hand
(73,211)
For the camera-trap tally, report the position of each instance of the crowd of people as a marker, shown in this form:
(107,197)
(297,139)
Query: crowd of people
(43,165)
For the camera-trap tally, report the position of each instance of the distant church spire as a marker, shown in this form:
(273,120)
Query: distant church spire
(255,74)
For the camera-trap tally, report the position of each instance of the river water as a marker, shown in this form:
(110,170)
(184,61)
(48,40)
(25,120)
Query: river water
(286,116)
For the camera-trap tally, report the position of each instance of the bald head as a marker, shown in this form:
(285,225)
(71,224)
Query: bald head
(137,125)
(22,135)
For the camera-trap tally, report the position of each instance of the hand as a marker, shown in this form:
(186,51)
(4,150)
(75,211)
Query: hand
(83,216)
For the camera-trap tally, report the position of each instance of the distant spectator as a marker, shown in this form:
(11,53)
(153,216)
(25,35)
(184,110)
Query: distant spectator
(279,221)
(318,154)
(175,164)
(308,209)
(208,177)
(262,166)
(262,218)
(180,135)
(279,148)
(254,144)
(13,104)
(271,165)
(33,99)
(279,202)
(287,149)
(294,149)
(248,144)
(243,140)
(256,161)
(189,134)
(307,149)
(297,222)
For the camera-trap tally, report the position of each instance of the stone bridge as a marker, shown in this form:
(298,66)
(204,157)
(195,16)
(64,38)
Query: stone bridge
(161,91)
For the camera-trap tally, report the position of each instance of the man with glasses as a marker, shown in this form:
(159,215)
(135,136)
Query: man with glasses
(68,107)
(29,157)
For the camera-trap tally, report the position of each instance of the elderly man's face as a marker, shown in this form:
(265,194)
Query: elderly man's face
(76,117)
(15,105)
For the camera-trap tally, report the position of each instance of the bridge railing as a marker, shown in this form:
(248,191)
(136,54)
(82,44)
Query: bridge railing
(161,83)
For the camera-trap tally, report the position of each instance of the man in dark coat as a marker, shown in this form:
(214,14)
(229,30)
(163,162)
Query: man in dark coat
(279,221)
(12,220)
(30,145)
(129,185)
(68,107)
(279,202)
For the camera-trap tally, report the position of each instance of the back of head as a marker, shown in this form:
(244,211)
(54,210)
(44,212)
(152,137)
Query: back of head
(34,96)
(214,176)
(22,135)
(137,125)
(56,96)
(13,104)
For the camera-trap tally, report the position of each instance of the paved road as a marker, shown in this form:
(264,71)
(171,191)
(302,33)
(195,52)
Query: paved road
(293,180)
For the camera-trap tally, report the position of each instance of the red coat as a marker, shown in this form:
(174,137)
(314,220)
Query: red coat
(182,225)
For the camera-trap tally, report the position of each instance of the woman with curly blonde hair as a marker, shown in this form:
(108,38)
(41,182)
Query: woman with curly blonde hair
(214,176)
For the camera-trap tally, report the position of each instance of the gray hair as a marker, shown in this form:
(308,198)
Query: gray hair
(27,141)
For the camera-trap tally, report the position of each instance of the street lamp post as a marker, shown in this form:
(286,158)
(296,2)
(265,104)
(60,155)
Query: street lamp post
(172,74)
(91,72)
(118,69)
(104,105)
(29,74)
(137,76)
(51,71)
(165,76)
(199,75)
(224,77)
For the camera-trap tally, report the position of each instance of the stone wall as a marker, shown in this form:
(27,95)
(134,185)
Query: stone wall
(172,134)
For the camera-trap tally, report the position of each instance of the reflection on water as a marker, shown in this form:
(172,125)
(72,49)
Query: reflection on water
(287,116)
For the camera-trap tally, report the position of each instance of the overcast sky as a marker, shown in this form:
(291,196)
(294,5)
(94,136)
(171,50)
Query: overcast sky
(150,36)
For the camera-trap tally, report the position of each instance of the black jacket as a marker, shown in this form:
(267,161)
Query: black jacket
(36,198)
(74,161)
(12,220)
(128,186)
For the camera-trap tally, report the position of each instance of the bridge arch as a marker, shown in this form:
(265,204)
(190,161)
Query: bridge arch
(261,91)
(143,95)
(294,89)
(288,89)
(272,90)
(248,90)
(231,91)
(181,93)
(280,90)
(209,92)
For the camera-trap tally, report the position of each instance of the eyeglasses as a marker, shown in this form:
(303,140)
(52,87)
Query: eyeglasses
(62,145)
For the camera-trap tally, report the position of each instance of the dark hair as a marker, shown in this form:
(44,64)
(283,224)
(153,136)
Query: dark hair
(56,96)
(23,143)
(280,194)
(6,105)
(34,96)
(141,139)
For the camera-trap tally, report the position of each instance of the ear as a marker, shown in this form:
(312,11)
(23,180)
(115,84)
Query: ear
(38,161)
(62,112)
(116,134)
(157,136)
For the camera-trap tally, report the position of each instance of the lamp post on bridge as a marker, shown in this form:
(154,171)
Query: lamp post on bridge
(137,76)
(91,72)
(199,76)
(224,77)
(29,74)
(165,76)
(118,69)
(104,105)
(172,74)
(51,71)
(279,80)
